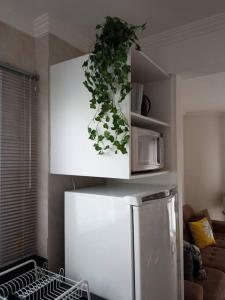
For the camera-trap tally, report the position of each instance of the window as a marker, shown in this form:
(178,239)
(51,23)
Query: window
(18,166)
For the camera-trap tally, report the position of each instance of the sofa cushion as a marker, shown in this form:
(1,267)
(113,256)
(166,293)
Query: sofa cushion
(218,226)
(188,213)
(214,257)
(214,286)
(202,233)
(204,213)
(192,291)
(188,265)
(220,240)
(197,267)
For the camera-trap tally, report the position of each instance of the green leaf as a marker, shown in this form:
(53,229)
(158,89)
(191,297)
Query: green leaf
(138,48)
(85,64)
(111,138)
(93,106)
(98,119)
(100,138)
(97,147)
(106,134)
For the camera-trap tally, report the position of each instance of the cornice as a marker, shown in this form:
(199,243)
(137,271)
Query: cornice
(41,26)
(189,31)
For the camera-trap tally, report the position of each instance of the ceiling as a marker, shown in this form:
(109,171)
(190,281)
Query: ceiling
(83,15)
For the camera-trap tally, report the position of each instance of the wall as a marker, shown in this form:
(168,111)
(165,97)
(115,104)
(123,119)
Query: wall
(204,93)
(203,156)
(203,105)
(17,48)
(42,57)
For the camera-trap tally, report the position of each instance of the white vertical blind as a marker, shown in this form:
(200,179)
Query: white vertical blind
(18,166)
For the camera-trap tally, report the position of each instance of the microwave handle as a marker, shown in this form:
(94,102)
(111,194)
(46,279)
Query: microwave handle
(158,151)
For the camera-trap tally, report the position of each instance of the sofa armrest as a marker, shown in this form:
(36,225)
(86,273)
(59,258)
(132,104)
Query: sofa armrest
(218,226)
(192,291)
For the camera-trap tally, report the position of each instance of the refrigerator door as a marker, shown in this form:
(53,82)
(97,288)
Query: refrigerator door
(155,251)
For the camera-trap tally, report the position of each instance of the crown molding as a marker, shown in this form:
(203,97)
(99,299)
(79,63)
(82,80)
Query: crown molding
(189,31)
(46,24)
(41,26)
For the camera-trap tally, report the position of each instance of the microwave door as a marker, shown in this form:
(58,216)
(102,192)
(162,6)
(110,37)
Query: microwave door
(146,147)
(144,151)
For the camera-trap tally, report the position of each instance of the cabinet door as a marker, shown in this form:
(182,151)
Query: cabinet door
(72,153)
(155,250)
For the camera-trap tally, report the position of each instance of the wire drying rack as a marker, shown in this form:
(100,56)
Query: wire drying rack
(39,283)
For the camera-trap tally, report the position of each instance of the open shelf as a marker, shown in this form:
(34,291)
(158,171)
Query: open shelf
(145,70)
(148,174)
(139,120)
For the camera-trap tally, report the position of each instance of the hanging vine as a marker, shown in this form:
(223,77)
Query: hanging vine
(107,79)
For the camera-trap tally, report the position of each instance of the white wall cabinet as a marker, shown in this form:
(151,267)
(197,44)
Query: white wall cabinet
(72,153)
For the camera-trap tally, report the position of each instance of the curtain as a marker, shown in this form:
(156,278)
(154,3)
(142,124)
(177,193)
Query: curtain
(18,166)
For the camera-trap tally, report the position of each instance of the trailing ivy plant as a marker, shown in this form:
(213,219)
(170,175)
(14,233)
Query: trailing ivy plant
(107,79)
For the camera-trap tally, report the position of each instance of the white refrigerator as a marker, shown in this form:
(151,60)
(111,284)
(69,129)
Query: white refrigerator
(122,238)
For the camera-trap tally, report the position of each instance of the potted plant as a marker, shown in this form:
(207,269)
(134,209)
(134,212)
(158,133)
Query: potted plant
(107,79)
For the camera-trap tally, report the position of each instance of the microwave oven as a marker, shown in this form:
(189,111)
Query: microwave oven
(147,150)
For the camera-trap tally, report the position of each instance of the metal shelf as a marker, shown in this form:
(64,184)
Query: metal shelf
(39,283)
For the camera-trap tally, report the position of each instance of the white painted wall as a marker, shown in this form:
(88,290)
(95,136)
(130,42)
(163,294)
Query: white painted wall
(202,105)
(203,156)
(204,93)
